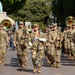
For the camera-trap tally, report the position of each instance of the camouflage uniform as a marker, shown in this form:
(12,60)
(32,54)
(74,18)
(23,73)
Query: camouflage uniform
(50,48)
(58,46)
(70,42)
(46,47)
(73,43)
(55,40)
(1,48)
(21,41)
(4,42)
(37,49)
(65,39)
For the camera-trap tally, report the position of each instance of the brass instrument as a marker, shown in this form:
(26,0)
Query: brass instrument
(69,20)
(7,24)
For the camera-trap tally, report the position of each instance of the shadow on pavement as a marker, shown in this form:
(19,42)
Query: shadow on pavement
(45,64)
(26,70)
(13,63)
(66,61)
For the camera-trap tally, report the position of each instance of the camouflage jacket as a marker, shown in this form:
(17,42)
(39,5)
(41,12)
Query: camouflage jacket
(20,36)
(34,39)
(4,37)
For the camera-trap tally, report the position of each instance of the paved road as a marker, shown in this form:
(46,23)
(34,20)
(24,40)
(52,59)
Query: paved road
(10,66)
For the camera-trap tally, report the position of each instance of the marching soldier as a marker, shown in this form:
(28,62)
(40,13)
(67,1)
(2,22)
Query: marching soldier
(55,42)
(3,44)
(37,40)
(58,38)
(69,41)
(73,43)
(21,43)
(49,47)
(65,39)
(1,48)
(46,50)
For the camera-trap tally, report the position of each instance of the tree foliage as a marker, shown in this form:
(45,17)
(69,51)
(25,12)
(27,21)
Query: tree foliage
(28,10)
(34,11)
(62,9)
(12,6)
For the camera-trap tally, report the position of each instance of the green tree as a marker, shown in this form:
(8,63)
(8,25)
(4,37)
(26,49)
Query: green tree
(62,9)
(28,10)
(34,11)
(12,6)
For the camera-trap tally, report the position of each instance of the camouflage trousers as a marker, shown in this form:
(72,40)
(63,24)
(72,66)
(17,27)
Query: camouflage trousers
(72,49)
(50,53)
(22,54)
(2,52)
(69,47)
(65,47)
(54,54)
(57,55)
(37,57)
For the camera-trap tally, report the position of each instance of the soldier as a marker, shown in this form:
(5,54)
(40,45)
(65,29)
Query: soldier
(65,39)
(73,43)
(58,45)
(69,41)
(21,42)
(4,42)
(50,47)
(55,40)
(46,34)
(1,48)
(37,40)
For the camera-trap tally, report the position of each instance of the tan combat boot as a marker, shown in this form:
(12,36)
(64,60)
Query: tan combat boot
(57,65)
(19,65)
(54,64)
(72,58)
(39,70)
(34,70)
(23,66)
(2,59)
(48,60)
(69,56)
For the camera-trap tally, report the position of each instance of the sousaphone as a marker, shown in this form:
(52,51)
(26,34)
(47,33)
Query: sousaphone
(7,24)
(69,20)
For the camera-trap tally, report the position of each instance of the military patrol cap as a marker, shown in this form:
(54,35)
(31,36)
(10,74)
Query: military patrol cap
(21,23)
(35,25)
(55,24)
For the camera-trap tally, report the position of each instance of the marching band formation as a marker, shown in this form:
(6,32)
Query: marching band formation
(49,44)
